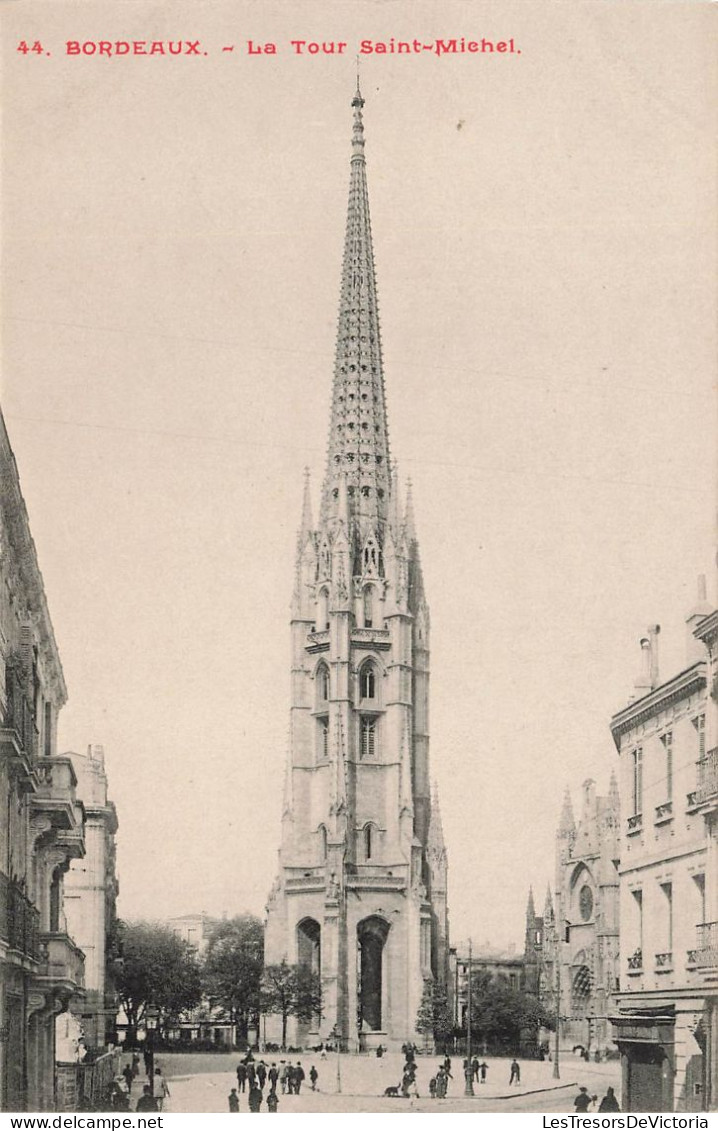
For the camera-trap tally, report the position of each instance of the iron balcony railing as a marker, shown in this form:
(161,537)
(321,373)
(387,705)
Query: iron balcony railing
(19,919)
(707,779)
(706,949)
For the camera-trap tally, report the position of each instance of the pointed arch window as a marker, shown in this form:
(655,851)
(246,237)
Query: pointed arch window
(367,681)
(368,737)
(323,683)
(323,610)
(368,839)
(368,598)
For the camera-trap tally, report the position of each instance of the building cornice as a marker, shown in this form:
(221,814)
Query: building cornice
(707,629)
(680,687)
(25,554)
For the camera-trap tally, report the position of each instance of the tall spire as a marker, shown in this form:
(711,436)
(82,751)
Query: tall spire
(358,436)
(530,909)
(305,529)
(568,822)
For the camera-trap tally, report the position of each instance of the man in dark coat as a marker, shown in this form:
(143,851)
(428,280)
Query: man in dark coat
(298,1077)
(241,1077)
(147,1101)
(255,1098)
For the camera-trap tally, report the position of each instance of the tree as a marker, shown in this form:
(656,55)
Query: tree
(434,1017)
(501,1015)
(232,972)
(291,991)
(155,968)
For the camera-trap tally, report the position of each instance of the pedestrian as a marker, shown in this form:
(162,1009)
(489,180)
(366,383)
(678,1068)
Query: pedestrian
(241,1077)
(127,1073)
(272,1101)
(515,1071)
(441,1082)
(162,1090)
(483,1068)
(283,1075)
(255,1097)
(147,1057)
(468,1075)
(582,1100)
(119,1096)
(233,1100)
(299,1075)
(251,1075)
(135,1063)
(262,1074)
(447,1064)
(147,1101)
(609,1101)
(273,1076)
(432,1087)
(475,1068)
(313,1077)
(379,1052)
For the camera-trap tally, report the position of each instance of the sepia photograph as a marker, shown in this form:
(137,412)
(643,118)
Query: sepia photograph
(358,595)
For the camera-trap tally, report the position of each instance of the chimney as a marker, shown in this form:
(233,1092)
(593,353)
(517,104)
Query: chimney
(695,649)
(648,679)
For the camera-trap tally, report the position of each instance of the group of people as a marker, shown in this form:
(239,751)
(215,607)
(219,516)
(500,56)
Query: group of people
(584,1101)
(154,1092)
(252,1078)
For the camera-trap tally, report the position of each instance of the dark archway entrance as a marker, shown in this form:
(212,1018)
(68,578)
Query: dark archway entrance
(371,937)
(309,956)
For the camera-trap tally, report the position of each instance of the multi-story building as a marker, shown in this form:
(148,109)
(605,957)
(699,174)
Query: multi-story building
(41,818)
(91,890)
(361,893)
(194,929)
(666,1025)
(501,965)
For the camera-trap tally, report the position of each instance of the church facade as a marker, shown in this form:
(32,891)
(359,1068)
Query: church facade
(360,896)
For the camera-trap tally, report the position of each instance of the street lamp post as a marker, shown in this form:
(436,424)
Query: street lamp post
(468,1074)
(557,951)
(150,1026)
(336,1037)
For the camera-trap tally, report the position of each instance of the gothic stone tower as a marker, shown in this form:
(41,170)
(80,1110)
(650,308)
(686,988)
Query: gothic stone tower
(361,892)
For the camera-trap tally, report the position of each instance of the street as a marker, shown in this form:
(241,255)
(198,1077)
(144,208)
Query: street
(364,1080)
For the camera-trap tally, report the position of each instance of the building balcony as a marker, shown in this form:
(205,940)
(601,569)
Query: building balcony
(664,813)
(707,791)
(635,962)
(371,637)
(664,961)
(56,798)
(19,920)
(63,964)
(705,953)
(634,824)
(18,758)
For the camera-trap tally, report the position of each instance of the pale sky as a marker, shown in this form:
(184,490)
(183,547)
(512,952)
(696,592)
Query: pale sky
(544,232)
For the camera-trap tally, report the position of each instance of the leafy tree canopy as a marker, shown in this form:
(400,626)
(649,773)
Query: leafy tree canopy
(434,1018)
(291,991)
(501,1015)
(232,972)
(155,968)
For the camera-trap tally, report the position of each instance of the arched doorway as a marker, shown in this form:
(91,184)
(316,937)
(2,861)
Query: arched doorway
(579,1024)
(309,957)
(371,937)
